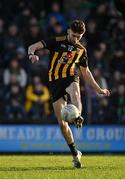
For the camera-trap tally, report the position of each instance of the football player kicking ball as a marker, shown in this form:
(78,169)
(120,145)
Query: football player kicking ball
(65,52)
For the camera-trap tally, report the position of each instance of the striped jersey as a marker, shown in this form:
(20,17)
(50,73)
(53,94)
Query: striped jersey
(64,56)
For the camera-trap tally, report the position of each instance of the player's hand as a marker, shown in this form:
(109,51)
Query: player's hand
(104,92)
(34,58)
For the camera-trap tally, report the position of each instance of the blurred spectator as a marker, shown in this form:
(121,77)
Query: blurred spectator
(12,39)
(55,16)
(100,78)
(34,33)
(93,98)
(14,103)
(101,15)
(105,113)
(37,99)
(21,55)
(58,29)
(117,62)
(116,80)
(98,60)
(15,74)
(118,101)
(22,19)
(91,34)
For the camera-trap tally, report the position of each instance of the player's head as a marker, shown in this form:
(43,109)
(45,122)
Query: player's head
(76,31)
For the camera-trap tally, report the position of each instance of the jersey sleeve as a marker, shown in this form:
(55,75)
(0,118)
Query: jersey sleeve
(83,61)
(49,43)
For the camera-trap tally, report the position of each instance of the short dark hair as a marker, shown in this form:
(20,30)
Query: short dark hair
(78,26)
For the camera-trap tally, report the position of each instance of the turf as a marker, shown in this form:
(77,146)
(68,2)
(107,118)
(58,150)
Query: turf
(60,167)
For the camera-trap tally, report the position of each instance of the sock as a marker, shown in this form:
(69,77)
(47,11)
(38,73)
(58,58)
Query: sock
(73,149)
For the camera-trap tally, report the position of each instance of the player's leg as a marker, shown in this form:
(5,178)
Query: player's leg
(74,91)
(66,131)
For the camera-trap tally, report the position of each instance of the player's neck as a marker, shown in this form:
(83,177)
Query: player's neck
(69,40)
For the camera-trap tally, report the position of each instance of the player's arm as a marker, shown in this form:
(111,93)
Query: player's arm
(31,51)
(87,75)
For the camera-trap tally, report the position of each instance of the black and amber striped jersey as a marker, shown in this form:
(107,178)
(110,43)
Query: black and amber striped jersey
(64,56)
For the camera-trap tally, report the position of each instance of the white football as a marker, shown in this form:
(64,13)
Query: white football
(69,113)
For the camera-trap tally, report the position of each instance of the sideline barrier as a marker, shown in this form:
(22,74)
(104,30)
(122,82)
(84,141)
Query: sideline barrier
(48,138)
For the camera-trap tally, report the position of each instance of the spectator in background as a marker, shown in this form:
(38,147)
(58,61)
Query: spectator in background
(118,102)
(118,33)
(55,16)
(117,79)
(101,16)
(15,73)
(58,29)
(20,54)
(33,32)
(118,60)
(15,79)
(105,113)
(98,60)
(14,103)
(12,41)
(101,81)
(37,99)
(94,98)
(13,38)
(92,34)
(22,19)
(100,78)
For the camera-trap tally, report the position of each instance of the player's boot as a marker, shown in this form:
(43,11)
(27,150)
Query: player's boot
(78,121)
(76,160)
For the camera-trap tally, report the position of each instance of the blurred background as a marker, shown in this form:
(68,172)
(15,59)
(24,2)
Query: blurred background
(25,99)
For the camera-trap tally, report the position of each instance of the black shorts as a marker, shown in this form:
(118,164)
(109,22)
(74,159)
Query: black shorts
(58,87)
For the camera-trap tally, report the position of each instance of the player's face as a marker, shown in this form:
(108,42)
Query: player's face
(74,37)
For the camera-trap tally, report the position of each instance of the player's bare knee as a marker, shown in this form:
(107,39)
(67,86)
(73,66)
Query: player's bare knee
(75,98)
(75,95)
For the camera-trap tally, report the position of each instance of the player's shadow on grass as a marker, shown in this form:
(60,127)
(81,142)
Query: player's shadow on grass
(35,168)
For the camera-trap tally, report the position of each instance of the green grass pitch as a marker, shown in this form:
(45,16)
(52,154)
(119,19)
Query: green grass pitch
(60,167)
